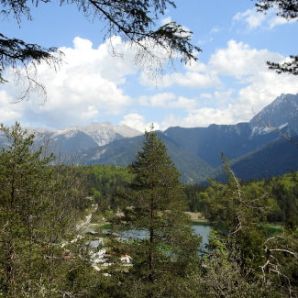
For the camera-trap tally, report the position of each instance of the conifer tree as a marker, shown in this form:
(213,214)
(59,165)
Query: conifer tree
(165,256)
(21,187)
(37,211)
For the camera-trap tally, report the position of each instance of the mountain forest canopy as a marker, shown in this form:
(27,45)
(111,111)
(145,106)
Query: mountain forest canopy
(63,229)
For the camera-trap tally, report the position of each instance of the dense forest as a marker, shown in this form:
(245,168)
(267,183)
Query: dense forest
(63,229)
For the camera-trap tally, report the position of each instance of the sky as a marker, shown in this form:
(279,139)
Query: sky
(100,80)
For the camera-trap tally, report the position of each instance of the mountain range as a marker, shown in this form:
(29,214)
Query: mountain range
(265,146)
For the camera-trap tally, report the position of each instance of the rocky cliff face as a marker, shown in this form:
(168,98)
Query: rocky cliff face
(281,113)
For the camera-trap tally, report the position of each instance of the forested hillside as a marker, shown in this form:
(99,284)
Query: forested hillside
(106,231)
(196,152)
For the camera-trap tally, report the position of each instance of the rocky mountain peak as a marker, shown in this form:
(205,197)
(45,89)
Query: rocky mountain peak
(282,112)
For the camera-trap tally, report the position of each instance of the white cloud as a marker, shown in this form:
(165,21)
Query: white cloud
(259,87)
(277,21)
(206,116)
(138,122)
(254,19)
(168,100)
(255,86)
(248,65)
(201,117)
(89,86)
(196,75)
(86,87)
(251,17)
(239,60)
(7,114)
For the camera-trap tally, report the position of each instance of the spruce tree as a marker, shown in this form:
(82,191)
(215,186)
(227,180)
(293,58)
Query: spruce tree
(38,210)
(165,256)
(22,181)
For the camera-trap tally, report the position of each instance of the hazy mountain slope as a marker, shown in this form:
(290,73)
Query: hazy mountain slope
(123,152)
(105,133)
(69,144)
(281,112)
(257,148)
(208,143)
(274,159)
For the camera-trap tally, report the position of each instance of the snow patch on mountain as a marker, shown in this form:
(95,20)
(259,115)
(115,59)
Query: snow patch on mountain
(105,133)
(101,133)
(281,113)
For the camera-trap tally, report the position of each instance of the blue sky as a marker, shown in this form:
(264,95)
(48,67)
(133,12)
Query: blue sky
(229,83)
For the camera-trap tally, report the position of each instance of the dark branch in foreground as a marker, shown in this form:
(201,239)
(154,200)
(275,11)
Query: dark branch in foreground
(134,20)
(286,67)
(287,9)
(15,52)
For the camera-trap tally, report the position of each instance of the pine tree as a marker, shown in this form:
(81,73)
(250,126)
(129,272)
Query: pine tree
(165,257)
(21,186)
(37,211)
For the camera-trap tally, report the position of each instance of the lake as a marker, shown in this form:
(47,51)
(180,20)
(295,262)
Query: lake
(202,230)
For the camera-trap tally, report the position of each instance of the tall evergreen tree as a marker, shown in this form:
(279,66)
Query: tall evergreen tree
(165,257)
(21,187)
(39,206)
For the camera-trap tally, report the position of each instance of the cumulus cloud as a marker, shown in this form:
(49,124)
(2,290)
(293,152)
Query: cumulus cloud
(200,117)
(239,60)
(254,19)
(8,114)
(254,86)
(86,86)
(277,21)
(138,122)
(195,75)
(249,67)
(205,116)
(168,100)
(259,87)
(89,86)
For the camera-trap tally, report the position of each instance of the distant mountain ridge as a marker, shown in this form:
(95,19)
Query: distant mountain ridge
(251,147)
(210,142)
(265,146)
(100,133)
(70,144)
(282,112)
(122,152)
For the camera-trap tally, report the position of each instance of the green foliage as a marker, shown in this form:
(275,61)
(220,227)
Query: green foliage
(195,202)
(279,200)
(38,207)
(166,259)
(285,191)
(106,183)
(254,258)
